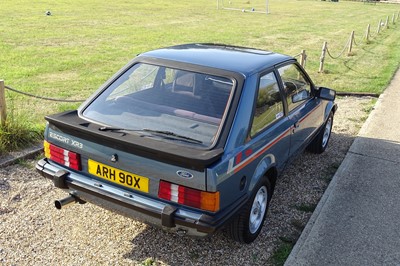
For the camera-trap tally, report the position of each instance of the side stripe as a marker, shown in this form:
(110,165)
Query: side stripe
(248,160)
(236,168)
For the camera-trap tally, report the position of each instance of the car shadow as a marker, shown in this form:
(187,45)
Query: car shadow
(302,182)
(173,249)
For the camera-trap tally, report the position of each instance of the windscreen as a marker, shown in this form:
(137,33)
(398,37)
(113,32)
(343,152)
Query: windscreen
(171,104)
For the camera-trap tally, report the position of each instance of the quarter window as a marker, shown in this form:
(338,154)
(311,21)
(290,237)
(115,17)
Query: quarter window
(297,87)
(269,105)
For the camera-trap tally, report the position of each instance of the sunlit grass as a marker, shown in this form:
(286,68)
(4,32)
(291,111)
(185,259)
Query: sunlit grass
(72,52)
(18,134)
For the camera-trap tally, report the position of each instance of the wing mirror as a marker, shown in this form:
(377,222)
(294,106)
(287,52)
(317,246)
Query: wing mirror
(326,94)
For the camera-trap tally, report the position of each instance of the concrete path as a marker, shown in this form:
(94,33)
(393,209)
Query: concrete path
(357,221)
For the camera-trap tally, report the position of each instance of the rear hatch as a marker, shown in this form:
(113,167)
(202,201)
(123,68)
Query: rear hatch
(149,123)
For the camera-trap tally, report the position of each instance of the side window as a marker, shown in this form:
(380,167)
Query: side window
(269,105)
(296,86)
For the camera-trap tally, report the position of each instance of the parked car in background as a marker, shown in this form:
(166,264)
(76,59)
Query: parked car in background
(190,138)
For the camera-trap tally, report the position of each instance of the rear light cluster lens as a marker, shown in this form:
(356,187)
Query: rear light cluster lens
(62,156)
(208,201)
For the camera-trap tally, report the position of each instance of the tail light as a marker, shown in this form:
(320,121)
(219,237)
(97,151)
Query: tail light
(208,201)
(62,156)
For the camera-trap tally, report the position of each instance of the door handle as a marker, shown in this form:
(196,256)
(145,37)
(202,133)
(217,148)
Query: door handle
(295,125)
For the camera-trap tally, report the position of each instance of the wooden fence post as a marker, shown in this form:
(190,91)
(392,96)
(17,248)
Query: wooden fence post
(394,19)
(387,22)
(351,43)
(322,59)
(367,32)
(303,58)
(379,26)
(3,111)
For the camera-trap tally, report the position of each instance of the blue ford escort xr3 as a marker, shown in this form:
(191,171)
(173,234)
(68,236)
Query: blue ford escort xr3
(190,138)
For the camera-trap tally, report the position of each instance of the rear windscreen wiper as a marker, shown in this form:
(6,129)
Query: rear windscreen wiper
(105,128)
(164,133)
(172,135)
(111,129)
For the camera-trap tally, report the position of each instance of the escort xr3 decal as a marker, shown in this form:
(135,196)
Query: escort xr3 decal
(66,140)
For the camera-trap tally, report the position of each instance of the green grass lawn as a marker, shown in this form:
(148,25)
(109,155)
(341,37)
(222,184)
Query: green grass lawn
(71,53)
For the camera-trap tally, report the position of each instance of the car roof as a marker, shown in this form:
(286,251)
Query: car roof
(232,58)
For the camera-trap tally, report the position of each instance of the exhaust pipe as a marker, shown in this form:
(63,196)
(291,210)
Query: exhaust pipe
(65,202)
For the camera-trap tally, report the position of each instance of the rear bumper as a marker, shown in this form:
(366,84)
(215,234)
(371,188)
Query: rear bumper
(130,204)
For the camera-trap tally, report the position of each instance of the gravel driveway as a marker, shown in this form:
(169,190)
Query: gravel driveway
(33,232)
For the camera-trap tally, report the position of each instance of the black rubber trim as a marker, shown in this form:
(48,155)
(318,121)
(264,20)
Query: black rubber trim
(167,216)
(59,179)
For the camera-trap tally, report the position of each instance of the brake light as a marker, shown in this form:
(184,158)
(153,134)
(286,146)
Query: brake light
(62,156)
(208,201)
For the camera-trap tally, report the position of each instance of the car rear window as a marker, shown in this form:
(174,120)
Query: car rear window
(159,98)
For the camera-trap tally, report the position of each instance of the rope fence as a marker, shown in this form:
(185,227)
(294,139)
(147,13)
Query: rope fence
(303,58)
(349,44)
(42,97)
(340,54)
(352,40)
(3,105)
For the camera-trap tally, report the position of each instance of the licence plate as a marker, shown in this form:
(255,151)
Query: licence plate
(118,176)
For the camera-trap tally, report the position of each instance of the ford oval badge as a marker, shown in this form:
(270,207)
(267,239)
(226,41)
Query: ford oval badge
(184,174)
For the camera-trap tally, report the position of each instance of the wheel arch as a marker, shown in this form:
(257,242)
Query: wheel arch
(265,168)
(331,107)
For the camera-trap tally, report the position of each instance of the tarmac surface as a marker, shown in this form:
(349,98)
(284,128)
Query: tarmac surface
(357,221)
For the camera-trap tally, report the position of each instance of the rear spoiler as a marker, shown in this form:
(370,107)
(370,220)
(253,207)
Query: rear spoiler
(179,155)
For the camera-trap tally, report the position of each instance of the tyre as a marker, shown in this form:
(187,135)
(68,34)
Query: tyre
(248,224)
(320,142)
